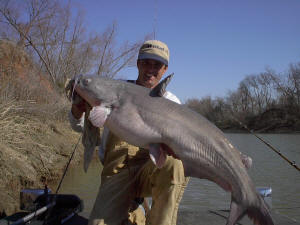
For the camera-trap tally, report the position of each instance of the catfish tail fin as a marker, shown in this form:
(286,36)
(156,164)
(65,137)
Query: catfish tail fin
(260,214)
(236,213)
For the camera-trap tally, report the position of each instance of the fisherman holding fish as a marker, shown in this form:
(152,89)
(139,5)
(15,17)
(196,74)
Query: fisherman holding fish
(128,173)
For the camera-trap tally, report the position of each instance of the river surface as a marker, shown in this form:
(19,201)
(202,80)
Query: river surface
(268,170)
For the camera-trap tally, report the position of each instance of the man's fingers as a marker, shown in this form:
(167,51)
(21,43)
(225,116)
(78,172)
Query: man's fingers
(76,99)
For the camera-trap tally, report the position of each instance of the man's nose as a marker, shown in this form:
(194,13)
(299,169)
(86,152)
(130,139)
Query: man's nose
(152,67)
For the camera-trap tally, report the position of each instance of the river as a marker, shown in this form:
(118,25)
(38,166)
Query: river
(268,170)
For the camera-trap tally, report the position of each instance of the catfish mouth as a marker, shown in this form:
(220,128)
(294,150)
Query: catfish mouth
(91,100)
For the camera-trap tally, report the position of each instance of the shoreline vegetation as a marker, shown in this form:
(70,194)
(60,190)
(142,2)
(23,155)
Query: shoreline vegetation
(40,49)
(263,103)
(36,140)
(35,148)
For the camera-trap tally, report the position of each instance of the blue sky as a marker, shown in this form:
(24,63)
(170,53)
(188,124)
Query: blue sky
(213,44)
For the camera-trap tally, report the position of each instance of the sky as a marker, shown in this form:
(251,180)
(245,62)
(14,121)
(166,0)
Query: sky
(214,44)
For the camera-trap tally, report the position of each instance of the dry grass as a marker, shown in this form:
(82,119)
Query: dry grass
(12,130)
(33,146)
(20,79)
(21,120)
(35,138)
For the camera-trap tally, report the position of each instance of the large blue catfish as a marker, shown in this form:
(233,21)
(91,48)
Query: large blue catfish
(167,128)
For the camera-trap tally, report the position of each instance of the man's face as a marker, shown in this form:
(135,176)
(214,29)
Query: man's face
(150,72)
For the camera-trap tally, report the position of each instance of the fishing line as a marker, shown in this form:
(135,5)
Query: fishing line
(155,19)
(292,163)
(67,166)
(287,208)
(71,157)
(76,80)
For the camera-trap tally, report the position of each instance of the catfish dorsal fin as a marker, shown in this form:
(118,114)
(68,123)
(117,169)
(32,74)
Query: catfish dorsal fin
(160,89)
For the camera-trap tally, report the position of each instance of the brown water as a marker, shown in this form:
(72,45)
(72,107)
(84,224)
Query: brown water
(268,170)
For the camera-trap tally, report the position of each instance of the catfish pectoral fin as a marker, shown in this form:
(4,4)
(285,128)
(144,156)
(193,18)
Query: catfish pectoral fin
(98,115)
(157,155)
(90,139)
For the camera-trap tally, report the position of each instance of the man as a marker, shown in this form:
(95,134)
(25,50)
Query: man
(128,173)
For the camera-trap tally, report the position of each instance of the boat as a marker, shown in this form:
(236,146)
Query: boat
(41,207)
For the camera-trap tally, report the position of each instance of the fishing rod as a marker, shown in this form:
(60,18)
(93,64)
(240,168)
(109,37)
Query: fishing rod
(49,207)
(292,163)
(67,166)
(155,19)
(34,214)
(70,91)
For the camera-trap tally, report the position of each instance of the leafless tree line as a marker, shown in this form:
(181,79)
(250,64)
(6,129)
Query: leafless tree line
(59,42)
(255,95)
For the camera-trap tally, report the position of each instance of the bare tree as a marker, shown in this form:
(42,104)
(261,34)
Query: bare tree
(256,93)
(294,83)
(38,12)
(113,59)
(57,40)
(246,100)
(288,87)
(204,106)
(234,101)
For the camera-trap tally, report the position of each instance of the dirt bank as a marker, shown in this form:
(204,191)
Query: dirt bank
(32,148)
(36,140)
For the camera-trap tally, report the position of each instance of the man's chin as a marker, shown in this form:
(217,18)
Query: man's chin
(148,84)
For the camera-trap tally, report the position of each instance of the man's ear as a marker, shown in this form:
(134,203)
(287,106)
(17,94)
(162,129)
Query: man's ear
(166,68)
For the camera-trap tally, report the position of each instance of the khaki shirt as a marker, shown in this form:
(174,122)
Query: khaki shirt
(121,155)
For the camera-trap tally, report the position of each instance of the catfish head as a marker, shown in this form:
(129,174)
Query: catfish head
(104,94)
(99,91)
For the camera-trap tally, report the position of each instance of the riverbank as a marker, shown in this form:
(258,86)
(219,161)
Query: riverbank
(275,120)
(34,146)
(244,131)
(36,140)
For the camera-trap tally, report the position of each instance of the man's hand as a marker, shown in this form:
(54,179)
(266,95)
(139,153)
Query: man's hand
(78,109)
(79,106)
(78,103)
